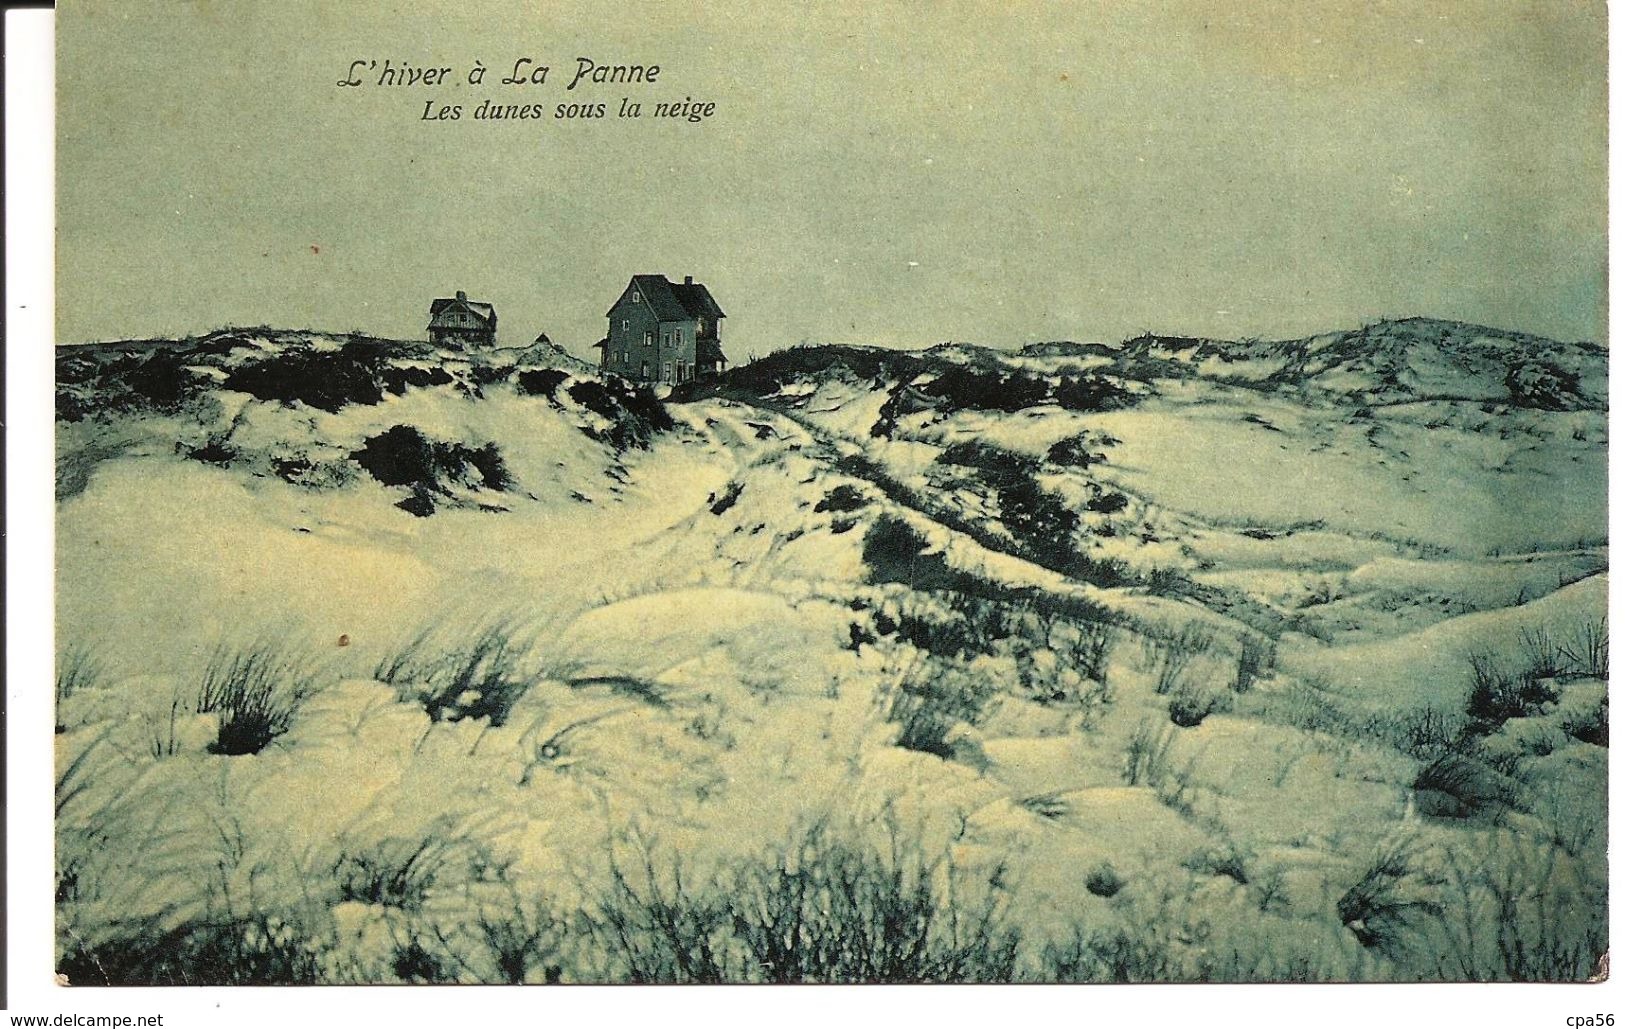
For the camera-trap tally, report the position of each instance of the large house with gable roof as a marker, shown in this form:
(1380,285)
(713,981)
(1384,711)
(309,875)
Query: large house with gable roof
(663,331)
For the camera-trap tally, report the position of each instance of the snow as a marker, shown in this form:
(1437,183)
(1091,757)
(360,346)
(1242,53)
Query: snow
(704,671)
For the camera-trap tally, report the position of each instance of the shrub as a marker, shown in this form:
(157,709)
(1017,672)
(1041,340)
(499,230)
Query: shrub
(540,382)
(965,388)
(841,499)
(1109,502)
(397,380)
(404,456)
(395,872)
(1076,451)
(634,413)
(1036,517)
(1257,656)
(821,910)
(1428,734)
(161,381)
(1171,653)
(254,950)
(1591,726)
(77,669)
(255,692)
(1091,393)
(1119,956)
(482,678)
(1496,697)
(1091,649)
(1190,706)
(1148,761)
(984,456)
(1587,650)
(1543,658)
(1385,906)
(895,552)
(1226,860)
(1103,881)
(326,380)
(1456,786)
(730,496)
(928,701)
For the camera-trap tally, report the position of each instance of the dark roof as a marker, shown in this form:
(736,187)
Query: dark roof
(708,352)
(485,312)
(673,301)
(697,299)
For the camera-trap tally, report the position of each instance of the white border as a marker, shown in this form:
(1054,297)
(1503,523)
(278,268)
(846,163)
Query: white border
(30,137)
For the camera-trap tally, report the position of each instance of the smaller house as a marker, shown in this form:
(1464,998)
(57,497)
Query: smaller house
(461,320)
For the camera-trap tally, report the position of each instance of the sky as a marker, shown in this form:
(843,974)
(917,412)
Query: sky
(890,173)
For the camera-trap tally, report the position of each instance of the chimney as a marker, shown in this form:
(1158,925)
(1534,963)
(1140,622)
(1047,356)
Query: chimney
(461,295)
(688,280)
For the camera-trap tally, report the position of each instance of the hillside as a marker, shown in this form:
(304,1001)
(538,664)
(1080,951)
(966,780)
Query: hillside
(1165,660)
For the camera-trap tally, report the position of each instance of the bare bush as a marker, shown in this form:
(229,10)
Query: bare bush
(1256,659)
(1458,786)
(1587,649)
(1148,760)
(821,910)
(1543,658)
(1169,654)
(929,700)
(1190,705)
(255,691)
(1387,904)
(483,677)
(77,668)
(1527,911)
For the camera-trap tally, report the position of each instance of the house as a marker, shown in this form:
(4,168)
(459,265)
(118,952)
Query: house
(663,331)
(461,320)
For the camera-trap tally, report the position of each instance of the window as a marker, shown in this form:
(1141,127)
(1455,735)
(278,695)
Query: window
(636,296)
(648,339)
(646,369)
(626,323)
(668,371)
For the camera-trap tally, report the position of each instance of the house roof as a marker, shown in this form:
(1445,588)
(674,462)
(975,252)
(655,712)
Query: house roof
(673,301)
(484,312)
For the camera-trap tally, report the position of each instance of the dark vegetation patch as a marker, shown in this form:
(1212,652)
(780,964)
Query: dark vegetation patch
(968,389)
(403,456)
(216,451)
(730,496)
(1459,786)
(397,379)
(929,702)
(140,380)
(254,693)
(1033,512)
(1081,451)
(482,676)
(1106,502)
(841,499)
(228,951)
(771,373)
(324,379)
(634,412)
(540,382)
